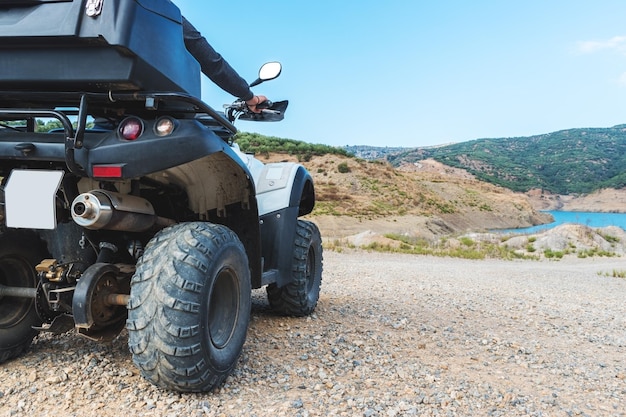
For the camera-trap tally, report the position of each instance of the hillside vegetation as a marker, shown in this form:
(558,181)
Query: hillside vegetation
(264,145)
(574,161)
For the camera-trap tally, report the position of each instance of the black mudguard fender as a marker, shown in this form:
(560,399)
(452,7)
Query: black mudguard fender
(278,226)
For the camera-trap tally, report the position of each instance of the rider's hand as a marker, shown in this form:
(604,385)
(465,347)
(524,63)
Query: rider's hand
(255,101)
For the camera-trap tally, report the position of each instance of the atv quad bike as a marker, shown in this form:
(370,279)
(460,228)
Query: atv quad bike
(138,210)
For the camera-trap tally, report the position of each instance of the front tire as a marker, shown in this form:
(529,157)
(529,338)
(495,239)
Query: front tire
(299,297)
(190,307)
(20,252)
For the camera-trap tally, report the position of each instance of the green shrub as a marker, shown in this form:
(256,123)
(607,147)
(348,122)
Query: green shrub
(549,253)
(618,274)
(343,168)
(611,239)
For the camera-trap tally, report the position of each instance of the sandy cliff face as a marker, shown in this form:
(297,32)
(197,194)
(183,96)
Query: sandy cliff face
(606,201)
(367,200)
(427,199)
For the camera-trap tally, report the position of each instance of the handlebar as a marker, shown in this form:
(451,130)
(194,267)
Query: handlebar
(270,111)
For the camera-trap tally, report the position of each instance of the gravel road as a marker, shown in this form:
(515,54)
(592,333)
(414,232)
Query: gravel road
(393,335)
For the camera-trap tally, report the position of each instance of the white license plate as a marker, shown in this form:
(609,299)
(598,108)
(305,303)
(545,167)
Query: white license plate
(30,198)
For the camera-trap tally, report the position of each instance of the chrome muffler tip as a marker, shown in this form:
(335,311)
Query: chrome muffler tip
(92,210)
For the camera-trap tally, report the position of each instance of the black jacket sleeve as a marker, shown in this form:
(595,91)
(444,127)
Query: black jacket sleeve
(213,65)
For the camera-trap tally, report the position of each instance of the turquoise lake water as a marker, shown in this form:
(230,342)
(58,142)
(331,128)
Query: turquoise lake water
(591,219)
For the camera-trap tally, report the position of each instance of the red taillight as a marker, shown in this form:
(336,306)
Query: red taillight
(107,171)
(131,128)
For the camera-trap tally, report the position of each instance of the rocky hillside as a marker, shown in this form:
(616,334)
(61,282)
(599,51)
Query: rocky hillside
(438,200)
(608,200)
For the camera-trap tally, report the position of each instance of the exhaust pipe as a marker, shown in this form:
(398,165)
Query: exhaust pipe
(100,209)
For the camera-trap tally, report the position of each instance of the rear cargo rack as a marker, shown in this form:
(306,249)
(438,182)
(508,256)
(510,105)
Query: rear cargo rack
(28,105)
(70,138)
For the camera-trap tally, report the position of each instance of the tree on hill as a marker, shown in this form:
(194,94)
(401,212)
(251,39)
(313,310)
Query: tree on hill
(263,145)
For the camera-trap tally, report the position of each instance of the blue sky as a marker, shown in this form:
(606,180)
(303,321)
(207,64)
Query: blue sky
(420,73)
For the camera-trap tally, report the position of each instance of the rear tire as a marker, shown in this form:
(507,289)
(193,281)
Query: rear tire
(189,307)
(299,297)
(20,252)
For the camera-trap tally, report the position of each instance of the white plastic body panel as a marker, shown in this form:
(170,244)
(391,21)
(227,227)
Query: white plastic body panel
(273,182)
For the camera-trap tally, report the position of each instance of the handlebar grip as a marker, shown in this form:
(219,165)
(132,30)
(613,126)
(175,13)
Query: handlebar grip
(264,104)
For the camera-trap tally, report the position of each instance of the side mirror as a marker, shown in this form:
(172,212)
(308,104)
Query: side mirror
(268,71)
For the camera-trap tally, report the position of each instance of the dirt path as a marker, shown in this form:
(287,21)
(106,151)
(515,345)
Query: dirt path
(394,335)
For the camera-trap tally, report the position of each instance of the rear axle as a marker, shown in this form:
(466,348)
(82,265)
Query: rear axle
(21,292)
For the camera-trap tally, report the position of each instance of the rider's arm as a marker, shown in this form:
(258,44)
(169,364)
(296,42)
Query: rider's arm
(213,65)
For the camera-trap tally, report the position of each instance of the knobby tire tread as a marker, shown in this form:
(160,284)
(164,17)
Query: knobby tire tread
(296,298)
(27,246)
(165,307)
